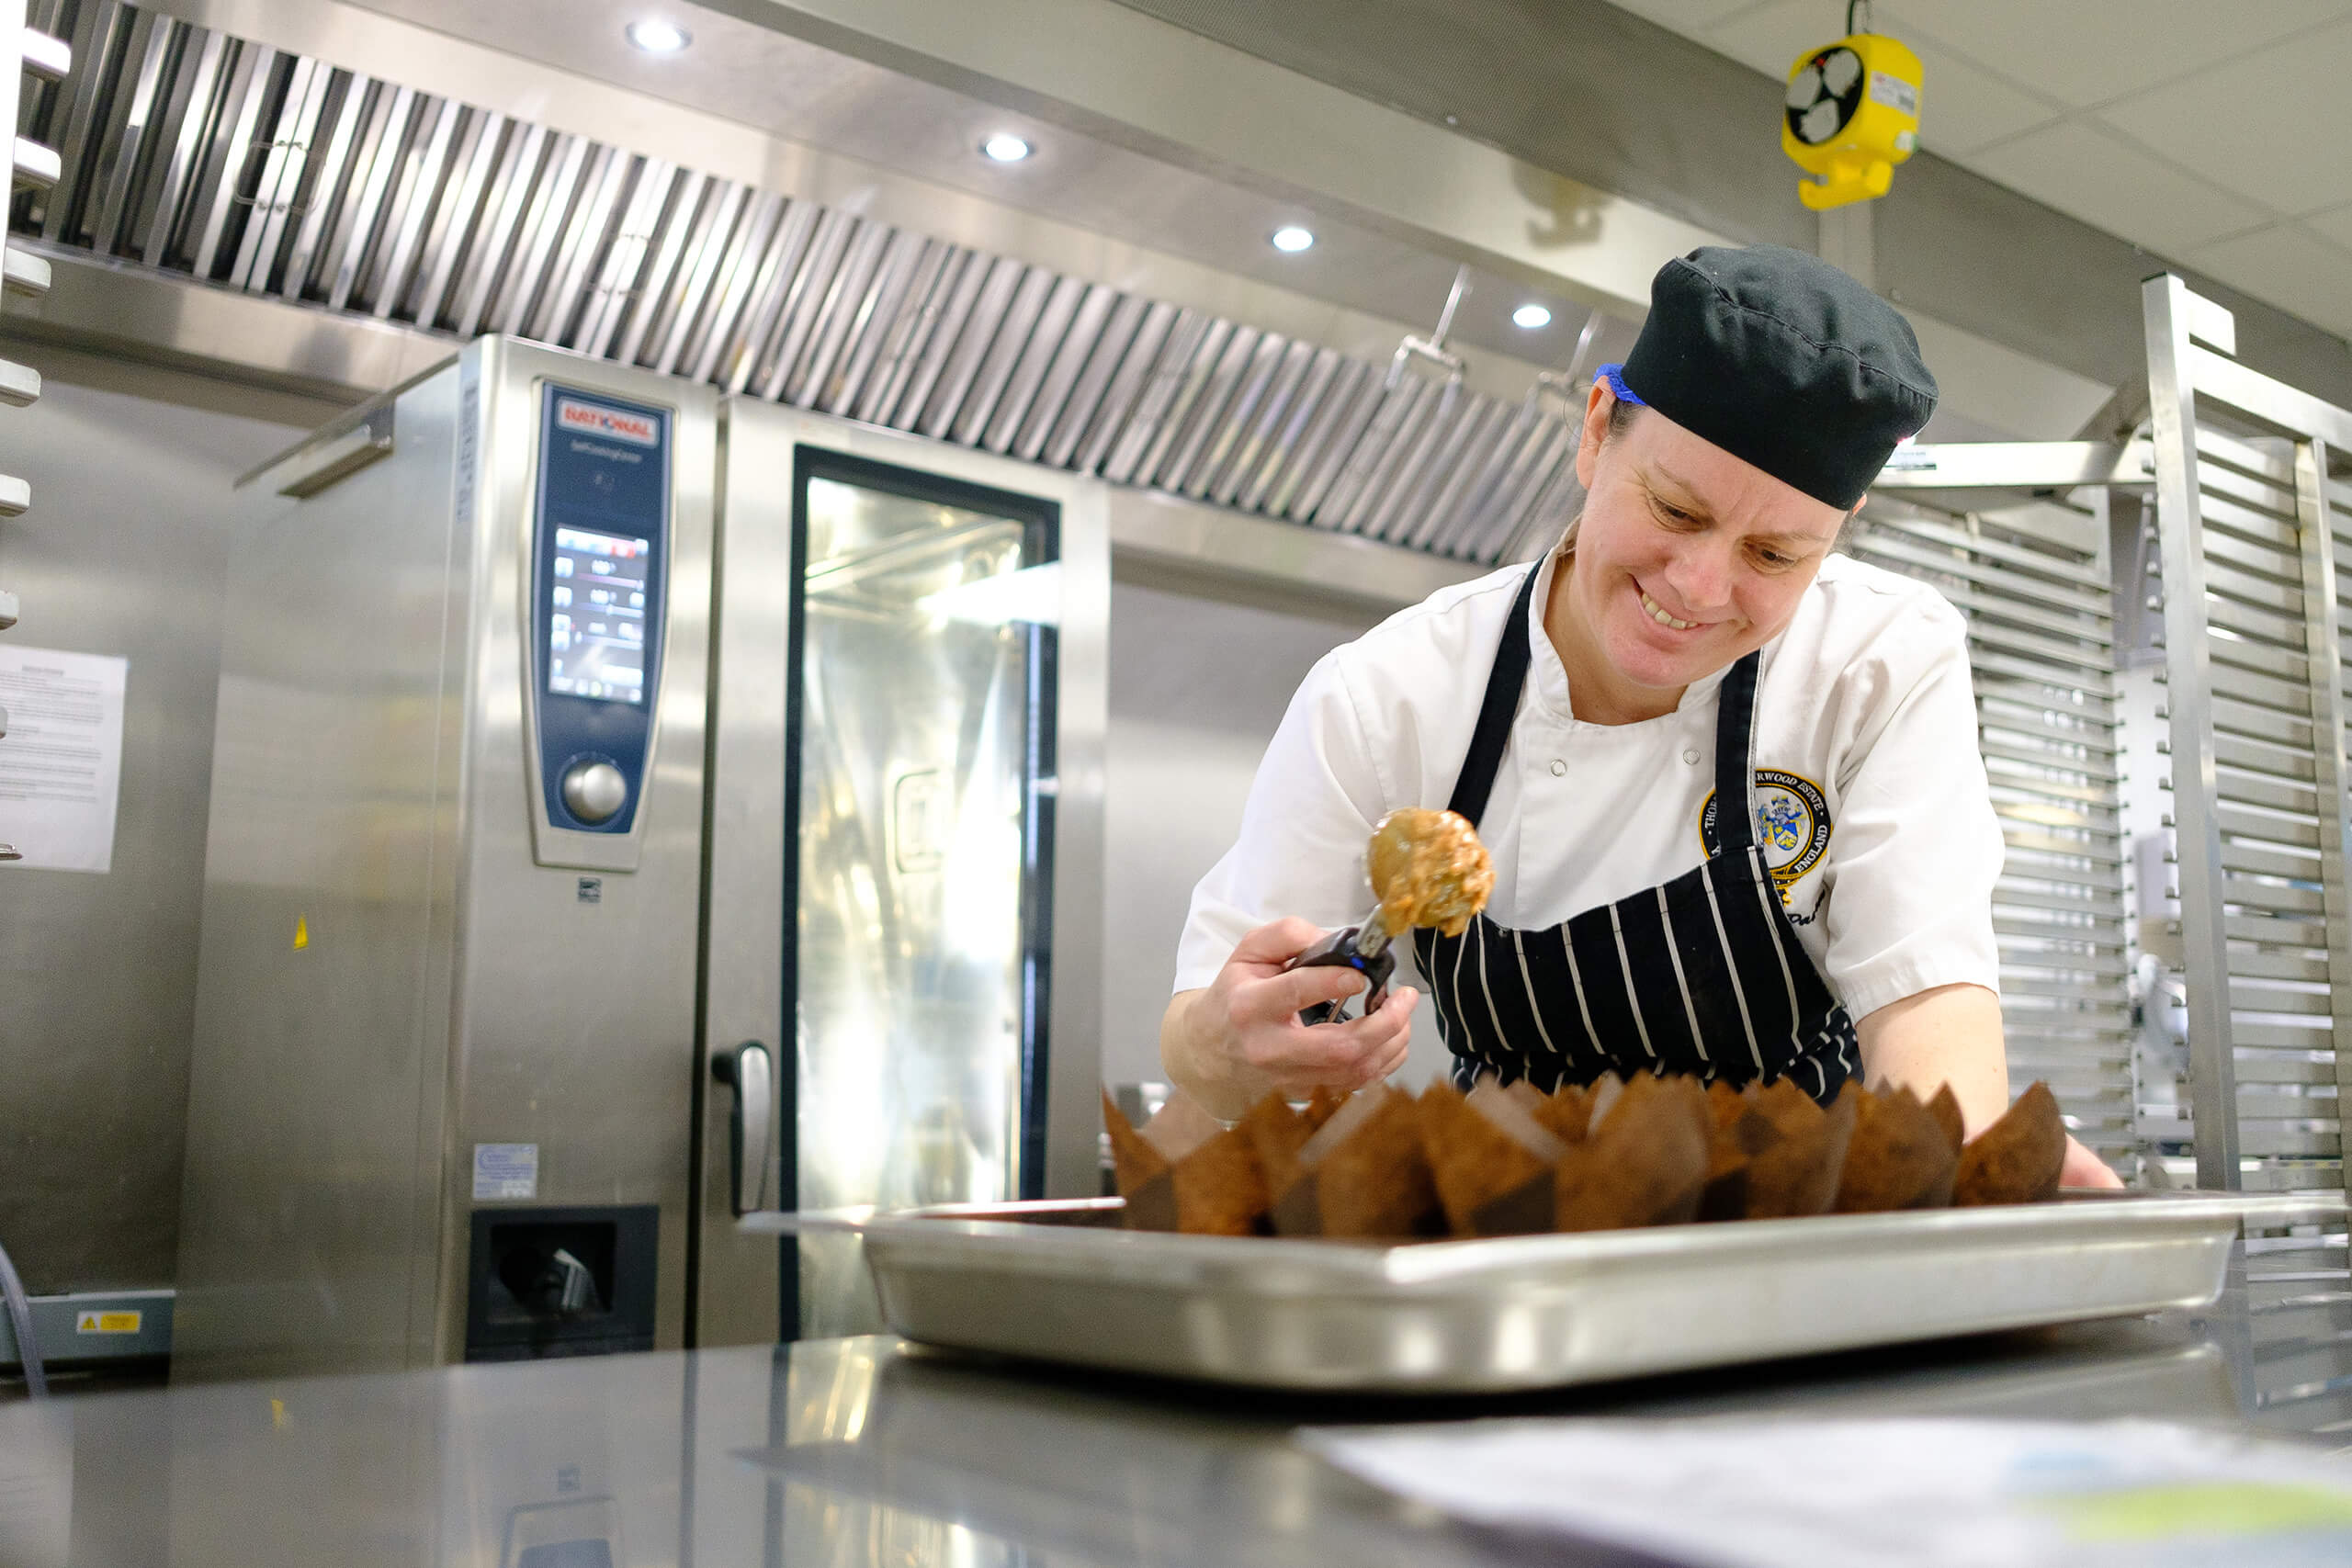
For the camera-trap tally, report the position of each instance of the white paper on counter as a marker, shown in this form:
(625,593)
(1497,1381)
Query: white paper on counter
(1744,1493)
(60,762)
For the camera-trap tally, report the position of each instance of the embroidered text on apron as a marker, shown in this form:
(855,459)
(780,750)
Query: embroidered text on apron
(1699,975)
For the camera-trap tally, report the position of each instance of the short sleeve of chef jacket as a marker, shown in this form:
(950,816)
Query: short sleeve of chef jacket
(1870,789)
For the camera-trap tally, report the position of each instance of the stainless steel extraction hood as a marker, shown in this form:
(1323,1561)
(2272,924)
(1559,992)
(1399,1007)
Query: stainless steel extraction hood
(241,166)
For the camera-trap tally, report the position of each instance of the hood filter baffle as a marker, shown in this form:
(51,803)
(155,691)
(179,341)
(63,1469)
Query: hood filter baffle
(189,152)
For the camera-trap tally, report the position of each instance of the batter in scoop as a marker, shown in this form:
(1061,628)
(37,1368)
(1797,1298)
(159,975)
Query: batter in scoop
(1427,869)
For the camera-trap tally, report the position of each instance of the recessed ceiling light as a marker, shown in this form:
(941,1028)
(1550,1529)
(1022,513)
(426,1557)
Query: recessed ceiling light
(1293,238)
(1531,317)
(1005,148)
(657,38)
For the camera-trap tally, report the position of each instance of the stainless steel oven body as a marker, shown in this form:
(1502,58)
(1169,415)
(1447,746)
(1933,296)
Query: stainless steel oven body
(512,787)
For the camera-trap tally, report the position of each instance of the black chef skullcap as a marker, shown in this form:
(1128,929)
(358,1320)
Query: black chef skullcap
(1782,360)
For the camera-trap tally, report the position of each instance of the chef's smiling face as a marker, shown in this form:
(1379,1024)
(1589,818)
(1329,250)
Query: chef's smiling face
(1686,558)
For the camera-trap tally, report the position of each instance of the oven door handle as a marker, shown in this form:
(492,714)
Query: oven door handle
(751,1072)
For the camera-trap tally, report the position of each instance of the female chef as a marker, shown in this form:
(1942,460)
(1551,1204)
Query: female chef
(1729,779)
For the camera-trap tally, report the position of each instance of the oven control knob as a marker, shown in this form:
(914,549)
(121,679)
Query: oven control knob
(593,791)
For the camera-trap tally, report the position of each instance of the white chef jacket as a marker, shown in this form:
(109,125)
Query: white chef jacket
(1870,794)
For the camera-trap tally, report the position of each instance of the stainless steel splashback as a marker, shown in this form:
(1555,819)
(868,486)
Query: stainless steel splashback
(228,162)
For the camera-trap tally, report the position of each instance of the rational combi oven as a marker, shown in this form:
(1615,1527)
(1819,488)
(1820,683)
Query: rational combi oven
(632,807)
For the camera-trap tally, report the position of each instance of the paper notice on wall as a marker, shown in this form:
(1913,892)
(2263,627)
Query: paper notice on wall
(61,760)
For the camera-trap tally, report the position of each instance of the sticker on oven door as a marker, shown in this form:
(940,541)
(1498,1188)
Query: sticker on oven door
(505,1171)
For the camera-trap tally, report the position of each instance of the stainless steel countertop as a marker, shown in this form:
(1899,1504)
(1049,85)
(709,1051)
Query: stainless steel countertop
(868,1451)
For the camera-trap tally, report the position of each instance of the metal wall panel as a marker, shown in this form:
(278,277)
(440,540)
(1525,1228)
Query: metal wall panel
(197,152)
(131,471)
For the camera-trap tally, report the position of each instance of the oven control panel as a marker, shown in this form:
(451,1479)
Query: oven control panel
(599,558)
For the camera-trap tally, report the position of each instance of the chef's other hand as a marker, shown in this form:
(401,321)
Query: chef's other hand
(2084,1168)
(1231,1045)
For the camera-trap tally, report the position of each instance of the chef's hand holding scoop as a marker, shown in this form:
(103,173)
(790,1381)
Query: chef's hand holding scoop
(1243,1035)
(1428,868)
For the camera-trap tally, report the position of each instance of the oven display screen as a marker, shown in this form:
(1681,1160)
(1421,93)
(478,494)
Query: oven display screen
(596,617)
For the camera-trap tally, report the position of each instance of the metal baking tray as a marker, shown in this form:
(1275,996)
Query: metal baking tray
(1060,1282)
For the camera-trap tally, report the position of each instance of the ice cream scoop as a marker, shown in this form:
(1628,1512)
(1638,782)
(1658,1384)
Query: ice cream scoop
(1428,868)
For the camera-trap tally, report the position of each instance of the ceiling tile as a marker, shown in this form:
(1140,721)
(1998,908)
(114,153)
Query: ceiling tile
(1963,109)
(1967,106)
(1770,37)
(2104,180)
(2273,126)
(2335,225)
(2291,267)
(2087,52)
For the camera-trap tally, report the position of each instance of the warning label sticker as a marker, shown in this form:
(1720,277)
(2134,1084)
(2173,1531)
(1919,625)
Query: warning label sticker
(107,1322)
(505,1170)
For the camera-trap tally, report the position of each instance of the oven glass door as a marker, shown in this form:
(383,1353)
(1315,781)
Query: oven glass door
(917,964)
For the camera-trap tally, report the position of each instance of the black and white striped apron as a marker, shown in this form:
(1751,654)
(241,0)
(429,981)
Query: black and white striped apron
(1700,974)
